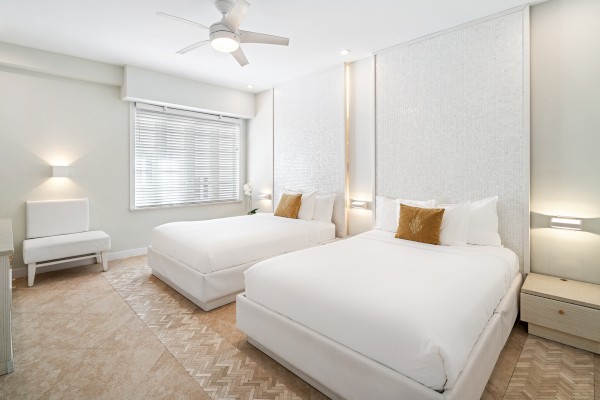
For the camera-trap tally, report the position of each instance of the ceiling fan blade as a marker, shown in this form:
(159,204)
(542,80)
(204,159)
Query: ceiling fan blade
(187,21)
(193,47)
(240,57)
(255,37)
(237,13)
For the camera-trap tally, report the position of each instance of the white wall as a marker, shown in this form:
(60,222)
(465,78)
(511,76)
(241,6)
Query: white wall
(361,166)
(48,120)
(260,150)
(157,88)
(565,138)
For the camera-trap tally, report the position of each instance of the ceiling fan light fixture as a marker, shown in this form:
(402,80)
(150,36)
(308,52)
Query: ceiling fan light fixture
(225,45)
(224,41)
(225,35)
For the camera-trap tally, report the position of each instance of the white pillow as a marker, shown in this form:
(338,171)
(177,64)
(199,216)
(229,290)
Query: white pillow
(387,211)
(323,210)
(455,224)
(385,214)
(307,203)
(483,223)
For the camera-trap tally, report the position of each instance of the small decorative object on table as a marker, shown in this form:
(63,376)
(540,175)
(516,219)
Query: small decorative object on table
(248,194)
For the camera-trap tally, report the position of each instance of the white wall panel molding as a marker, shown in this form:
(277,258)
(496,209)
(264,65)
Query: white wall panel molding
(309,143)
(167,90)
(61,65)
(452,120)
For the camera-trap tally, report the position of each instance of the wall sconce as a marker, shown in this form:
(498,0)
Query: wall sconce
(359,204)
(570,223)
(60,171)
(264,196)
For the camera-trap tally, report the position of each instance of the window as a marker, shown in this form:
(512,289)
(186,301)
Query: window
(183,157)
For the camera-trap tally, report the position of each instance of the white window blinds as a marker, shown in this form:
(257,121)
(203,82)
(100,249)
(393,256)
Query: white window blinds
(183,157)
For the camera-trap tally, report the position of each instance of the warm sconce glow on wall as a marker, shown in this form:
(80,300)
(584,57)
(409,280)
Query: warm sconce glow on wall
(359,204)
(570,223)
(264,196)
(61,171)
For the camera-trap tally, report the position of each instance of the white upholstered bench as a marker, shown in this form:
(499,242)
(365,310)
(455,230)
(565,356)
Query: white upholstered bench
(57,232)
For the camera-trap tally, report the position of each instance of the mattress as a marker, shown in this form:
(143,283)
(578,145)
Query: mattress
(213,245)
(415,308)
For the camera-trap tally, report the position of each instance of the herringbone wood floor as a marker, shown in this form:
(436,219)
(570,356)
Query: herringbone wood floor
(126,335)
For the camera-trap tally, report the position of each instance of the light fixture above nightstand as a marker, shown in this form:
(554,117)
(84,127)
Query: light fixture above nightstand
(359,204)
(570,223)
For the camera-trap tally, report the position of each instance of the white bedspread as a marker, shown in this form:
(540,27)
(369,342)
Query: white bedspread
(217,244)
(413,307)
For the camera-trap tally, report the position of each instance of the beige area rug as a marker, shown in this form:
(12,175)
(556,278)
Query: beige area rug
(551,371)
(223,371)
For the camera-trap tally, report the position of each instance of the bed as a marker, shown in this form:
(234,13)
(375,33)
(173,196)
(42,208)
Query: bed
(432,328)
(205,260)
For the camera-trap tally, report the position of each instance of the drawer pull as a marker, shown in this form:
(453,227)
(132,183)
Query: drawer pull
(561,312)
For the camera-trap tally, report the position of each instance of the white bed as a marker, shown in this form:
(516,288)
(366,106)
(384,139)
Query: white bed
(205,260)
(432,328)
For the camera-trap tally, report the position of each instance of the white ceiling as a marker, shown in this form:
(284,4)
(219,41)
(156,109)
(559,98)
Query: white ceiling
(129,32)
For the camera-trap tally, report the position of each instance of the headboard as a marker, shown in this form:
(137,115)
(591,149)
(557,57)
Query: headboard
(309,139)
(452,115)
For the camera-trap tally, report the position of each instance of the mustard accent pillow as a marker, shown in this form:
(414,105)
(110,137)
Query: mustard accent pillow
(420,224)
(289,205)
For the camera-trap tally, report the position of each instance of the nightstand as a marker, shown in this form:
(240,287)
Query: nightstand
(562,310)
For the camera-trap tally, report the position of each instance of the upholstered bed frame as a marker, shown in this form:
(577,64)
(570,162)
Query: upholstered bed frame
(207,291)
(341,373)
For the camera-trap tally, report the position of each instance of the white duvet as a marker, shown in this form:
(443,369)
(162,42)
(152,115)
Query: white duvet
(217,244)
(416,308)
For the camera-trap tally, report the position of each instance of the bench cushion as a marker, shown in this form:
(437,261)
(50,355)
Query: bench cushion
(63,246)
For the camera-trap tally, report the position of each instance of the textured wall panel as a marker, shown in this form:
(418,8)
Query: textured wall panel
(309,138)
(450,120)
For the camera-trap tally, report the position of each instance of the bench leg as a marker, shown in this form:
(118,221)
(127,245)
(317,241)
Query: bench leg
(30,274)
(104,257)
(98,259)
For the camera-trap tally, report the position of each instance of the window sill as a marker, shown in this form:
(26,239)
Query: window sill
(215,203)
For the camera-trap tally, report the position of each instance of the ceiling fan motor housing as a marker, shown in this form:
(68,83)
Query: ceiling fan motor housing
(220,30)
(224,6)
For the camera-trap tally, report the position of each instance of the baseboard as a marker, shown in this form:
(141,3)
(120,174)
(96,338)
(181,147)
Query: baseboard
(117,255)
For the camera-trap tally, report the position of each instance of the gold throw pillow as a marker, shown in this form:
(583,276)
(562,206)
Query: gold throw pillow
(289,205)
(420,224)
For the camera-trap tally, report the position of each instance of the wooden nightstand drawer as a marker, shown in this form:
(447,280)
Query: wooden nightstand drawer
(569,318)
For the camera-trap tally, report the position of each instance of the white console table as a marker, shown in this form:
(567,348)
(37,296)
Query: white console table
(6,252)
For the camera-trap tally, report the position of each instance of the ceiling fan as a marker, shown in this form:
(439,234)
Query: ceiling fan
(225,35)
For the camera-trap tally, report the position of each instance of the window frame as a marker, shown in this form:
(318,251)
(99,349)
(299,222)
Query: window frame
(241,155)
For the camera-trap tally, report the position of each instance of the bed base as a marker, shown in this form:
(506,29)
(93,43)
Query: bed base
(342,373)
(207,291)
